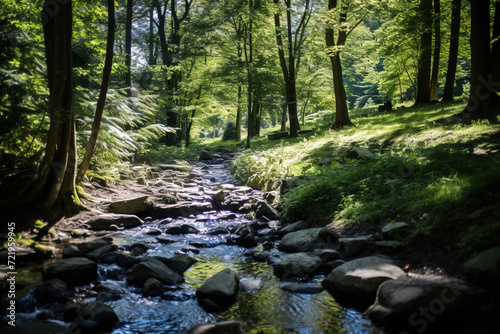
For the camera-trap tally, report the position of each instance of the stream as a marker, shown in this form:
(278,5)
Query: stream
(267,309)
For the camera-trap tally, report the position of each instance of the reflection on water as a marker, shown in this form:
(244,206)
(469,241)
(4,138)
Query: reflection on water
(269,310)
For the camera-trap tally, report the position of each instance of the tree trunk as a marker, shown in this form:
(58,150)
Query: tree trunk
(166,56)
(288,69)
(284,117)
(54,187)
(453,55)
(255,117)
(437,50)
(249,61)
(495,47)
(341,111)
(292,95)
(424,60)
(188,130)
(483,100)
(106,75)
(128,47)
(258,120)
(238,115)
(152,55)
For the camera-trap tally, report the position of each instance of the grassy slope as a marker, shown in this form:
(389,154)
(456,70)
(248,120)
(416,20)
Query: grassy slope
(443,179)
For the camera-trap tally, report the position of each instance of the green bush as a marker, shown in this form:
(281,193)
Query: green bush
(229,131)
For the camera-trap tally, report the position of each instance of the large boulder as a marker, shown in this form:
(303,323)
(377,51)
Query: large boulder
(184,209)
(246,237)
(484,269)
(297,226)
(356,282)
(181,229)
(298,266)
(154,268)
(131,206)
(421,302)
(354,246)
(104,222)
(100,313)
(73,271)
(308,240)
(221,289)
(265,210)
(225,327)
(78,250)
(152,287)
(126,260)
(97,253)
(51,290)
(178,263)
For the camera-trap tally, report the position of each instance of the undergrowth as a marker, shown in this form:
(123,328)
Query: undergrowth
(442,179)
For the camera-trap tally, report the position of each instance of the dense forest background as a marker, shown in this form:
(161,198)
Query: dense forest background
(95,84)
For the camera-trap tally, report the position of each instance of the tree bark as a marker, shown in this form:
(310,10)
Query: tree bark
(341,110)
(495,47)
(128,47)
(249,62)
(453,54)
(288,70)
(437,50)
(166,56)
(424,60)
(284,116)
(54,188)
(238,115)
(483,100)
(106,75)
(188,130)
(152,56)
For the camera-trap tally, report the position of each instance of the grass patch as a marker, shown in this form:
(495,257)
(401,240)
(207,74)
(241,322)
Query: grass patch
(443,178)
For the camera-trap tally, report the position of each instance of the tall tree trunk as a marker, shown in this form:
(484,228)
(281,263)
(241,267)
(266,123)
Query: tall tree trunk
(128,47)
(341,110)
(437,50)
(483,100)
(54,188)
(425,57)
(165,54)
(453,54)
(288,70)
(249,61)
(106,75)
(238,115)
(341,113)
(152,44)
(258,119)
(255,131)
(284,116)
(495,47)
(292,94)
(188,130)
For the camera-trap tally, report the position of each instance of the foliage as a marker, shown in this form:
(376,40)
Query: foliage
(261,170)
(229,131)
(438,178)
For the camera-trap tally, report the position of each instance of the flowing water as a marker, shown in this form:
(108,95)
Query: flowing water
(267,310)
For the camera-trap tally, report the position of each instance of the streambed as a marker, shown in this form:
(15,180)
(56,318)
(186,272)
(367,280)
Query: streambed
(265,309)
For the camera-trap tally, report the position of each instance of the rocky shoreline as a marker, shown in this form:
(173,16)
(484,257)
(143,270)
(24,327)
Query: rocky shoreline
(358,271)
